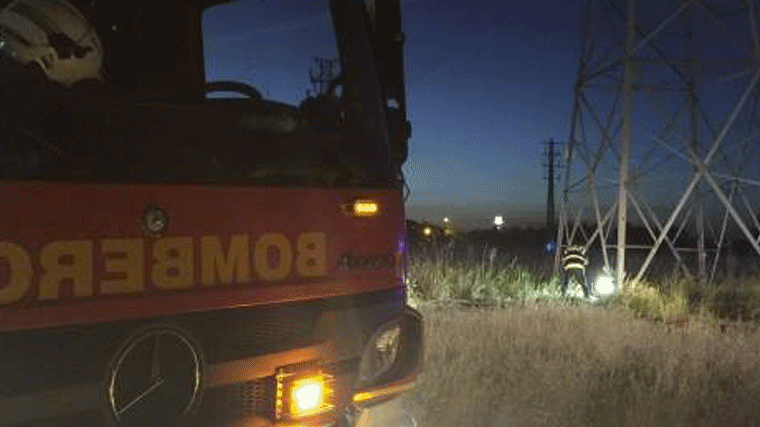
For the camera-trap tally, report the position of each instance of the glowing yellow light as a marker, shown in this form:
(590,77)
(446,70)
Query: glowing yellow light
(366,208)
(303,394)
(307,395)
(427,231)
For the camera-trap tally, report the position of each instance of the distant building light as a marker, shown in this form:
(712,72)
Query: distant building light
(446,220)
(427,230)
(498,222)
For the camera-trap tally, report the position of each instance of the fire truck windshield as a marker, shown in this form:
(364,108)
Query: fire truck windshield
(286,50)
(247,92)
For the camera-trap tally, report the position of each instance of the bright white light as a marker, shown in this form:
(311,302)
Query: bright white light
(604,285)
(446,220)
(498,221)
(307,395)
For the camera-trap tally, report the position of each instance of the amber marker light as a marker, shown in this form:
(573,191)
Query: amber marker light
(301,396)
(307,395)
(365,208)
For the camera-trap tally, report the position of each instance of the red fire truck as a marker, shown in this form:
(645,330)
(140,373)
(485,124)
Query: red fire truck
(174,256)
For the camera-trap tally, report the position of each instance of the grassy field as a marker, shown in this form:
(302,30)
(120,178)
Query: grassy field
(664,354)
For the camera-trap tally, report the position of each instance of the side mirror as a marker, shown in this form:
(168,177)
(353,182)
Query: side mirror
(389,49)
(399,132)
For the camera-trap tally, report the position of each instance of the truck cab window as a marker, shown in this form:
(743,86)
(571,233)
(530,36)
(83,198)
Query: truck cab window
(285,51)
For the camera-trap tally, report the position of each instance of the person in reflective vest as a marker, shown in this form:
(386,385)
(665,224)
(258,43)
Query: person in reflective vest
(574,262)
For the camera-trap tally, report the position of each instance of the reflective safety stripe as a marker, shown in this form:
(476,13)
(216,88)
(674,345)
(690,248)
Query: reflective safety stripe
(574,261)
(574,266)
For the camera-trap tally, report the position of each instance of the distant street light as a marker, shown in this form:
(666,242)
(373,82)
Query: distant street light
(446,220)
(498,221)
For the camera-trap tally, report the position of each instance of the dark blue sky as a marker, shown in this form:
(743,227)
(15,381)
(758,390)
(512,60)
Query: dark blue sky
(487,82)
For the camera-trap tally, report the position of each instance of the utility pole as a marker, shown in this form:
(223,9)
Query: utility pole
(552,164)
(326,71)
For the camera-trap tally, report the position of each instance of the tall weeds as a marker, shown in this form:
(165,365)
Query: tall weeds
(466,272)
(665,352)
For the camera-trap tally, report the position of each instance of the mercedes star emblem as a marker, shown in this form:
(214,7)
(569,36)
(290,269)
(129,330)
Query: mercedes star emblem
(155,379)
(154,220)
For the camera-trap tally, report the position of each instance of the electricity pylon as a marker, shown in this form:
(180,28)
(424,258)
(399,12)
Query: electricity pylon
(325,72)
(665,131)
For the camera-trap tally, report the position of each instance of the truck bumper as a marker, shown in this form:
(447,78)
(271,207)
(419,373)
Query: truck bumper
(240,391)
(388,414)
(376,405)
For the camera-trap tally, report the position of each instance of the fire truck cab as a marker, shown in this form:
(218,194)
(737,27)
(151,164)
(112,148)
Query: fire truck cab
(174,256)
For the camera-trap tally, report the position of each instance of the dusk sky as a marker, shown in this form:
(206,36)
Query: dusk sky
(487,82)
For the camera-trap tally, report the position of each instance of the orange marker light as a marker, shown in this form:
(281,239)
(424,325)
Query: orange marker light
(365,208)
(301,394)
(307,396)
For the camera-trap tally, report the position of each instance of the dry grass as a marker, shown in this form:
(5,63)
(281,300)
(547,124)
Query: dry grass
(560,365)
(664,353)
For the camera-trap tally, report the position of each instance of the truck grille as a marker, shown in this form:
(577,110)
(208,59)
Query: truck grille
(70,357)
(241,333)
(240,400)
(83,352)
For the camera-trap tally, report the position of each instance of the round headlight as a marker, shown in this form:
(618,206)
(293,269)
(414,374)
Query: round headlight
(380,353)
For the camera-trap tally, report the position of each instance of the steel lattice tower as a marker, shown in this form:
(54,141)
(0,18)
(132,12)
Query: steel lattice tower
(320,80)
(665,136)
